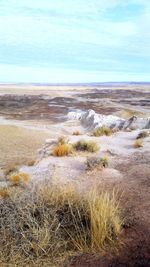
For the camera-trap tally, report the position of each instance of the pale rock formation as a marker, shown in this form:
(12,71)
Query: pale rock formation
(92,120)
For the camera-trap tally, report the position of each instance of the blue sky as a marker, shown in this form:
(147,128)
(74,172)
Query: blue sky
(74,40)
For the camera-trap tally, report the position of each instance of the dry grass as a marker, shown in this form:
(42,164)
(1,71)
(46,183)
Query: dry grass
(19,178)
(77,133)
(95,163)
(105,220)
(63,140)
(138,143)
(102,131)
(83,145)
(18,145)
(30,162)
(4,193)
(142,134)
(10,168)
(50,223)
(61,150)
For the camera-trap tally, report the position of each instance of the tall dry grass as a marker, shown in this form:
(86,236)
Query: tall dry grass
(47,224)
(61,150)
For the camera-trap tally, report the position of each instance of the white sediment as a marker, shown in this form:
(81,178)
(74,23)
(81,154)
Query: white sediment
(91,120)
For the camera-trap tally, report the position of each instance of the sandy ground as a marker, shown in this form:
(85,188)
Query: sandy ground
(19,145)
(128,171)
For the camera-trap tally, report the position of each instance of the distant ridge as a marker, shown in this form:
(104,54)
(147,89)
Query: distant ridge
(76,84)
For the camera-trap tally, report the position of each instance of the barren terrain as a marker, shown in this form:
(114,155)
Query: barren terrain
(31,116)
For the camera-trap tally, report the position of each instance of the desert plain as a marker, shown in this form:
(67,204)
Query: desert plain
(32,120)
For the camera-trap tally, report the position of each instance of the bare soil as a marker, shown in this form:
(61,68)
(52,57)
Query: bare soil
(129,170)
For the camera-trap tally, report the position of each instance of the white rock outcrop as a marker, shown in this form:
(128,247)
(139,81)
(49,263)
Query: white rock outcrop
(91,120)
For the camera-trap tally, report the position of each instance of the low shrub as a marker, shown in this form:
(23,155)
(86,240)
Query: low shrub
(138,143)
(19,178)
(61,150)
(142,134)
(102,131)
(62,140)
(89,146)
(96,163)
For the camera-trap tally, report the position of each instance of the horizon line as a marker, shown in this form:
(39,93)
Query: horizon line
(73,83)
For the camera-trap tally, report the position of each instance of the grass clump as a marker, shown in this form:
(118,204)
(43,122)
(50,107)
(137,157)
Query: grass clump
(102,131)
(61,150)
(50,222)
(96,163)
(76,133)
(62,140)
(138,143)
(142,134)
(104,219)
(89,146)
(30,162)
(10,168)
(19,178)
(4,193)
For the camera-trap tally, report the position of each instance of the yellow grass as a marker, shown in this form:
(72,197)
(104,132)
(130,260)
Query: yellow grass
(51,222)
(61,150)
(105,219)
(102,131)
(138,143)
(4,193)
(20,177)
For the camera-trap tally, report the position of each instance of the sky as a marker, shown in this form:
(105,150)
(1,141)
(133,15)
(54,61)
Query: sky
(73,41)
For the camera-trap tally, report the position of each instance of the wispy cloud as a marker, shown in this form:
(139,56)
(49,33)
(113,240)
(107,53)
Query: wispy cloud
(74,40)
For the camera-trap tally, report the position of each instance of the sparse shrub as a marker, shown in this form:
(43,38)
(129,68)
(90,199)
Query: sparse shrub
(105,161)
(10,168)
(96,163)
(61,150)
(20,177)
(30,162)
(89,146)
(4,193)
(142,134)
(102,131)
(76,133)
(138,143)
(63,140)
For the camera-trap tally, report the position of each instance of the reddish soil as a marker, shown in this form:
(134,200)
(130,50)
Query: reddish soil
(135,251)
